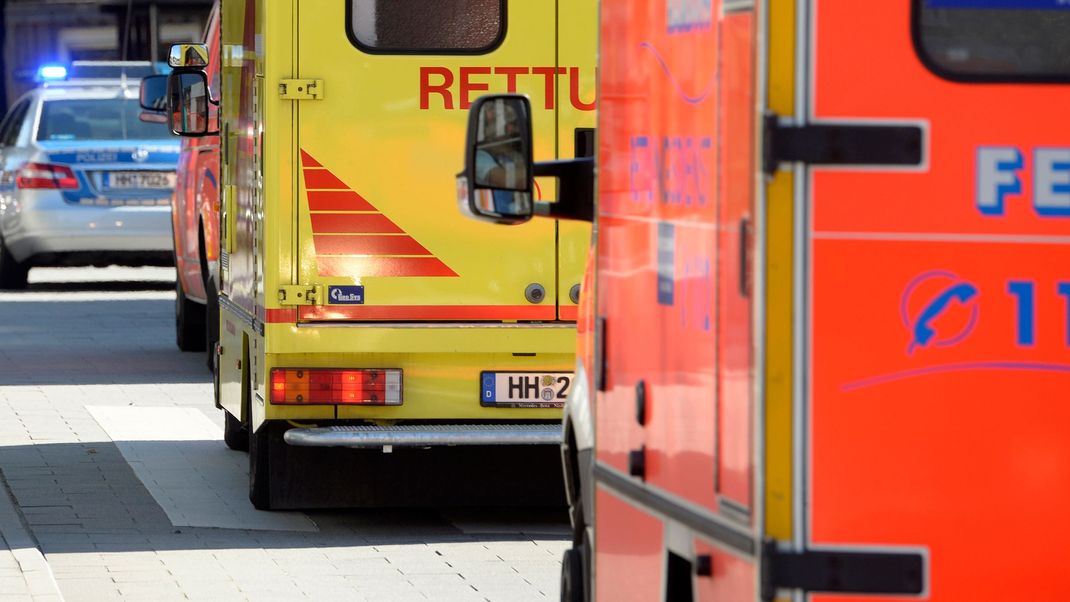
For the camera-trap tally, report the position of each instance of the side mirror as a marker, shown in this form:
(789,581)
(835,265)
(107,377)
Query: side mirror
(498,178)
(192,56)
(187,103)
(154,93)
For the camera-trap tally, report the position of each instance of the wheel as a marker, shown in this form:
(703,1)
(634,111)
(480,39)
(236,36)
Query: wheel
(259,467)
(13,275)
(235,434)
(572,582)
(211,320)
(189,321)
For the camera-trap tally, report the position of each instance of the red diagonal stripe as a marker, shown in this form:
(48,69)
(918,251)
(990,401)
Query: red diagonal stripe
(337,200)
(308,161)
(323,179)
(358,267)
(368,244)
(353,223)
(426,312)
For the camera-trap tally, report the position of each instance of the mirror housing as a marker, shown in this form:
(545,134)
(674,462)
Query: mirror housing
(497,183)
(499,175)
(188,56)
(187,103)
(153,94)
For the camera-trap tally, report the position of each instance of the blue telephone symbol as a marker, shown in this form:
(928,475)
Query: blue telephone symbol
(923,332)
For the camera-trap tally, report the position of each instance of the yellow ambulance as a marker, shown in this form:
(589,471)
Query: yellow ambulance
(358,308)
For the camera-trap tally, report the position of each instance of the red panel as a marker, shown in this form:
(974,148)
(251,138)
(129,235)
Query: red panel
(321,179)
(359,267)
(937,420)
(337,200)
(736,160)
(630,555)
(368,244)
(349,223)
(401,313)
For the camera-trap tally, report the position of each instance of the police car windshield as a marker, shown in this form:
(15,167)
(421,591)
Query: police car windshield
(96,119)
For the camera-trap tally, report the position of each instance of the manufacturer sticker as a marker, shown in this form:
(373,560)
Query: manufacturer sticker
(345,295)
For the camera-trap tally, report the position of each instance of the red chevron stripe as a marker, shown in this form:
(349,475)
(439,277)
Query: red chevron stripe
(308,161)
(337,200)
(321,179)
(366,267)
(326,192)
(353,223)
(368,244)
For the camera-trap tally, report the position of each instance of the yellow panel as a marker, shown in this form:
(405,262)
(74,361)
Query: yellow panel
(779,305)
(782,56)
(577,46)
(778,362)
(392,131)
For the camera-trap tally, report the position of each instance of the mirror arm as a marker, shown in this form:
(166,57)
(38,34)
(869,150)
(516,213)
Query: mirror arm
(575,184)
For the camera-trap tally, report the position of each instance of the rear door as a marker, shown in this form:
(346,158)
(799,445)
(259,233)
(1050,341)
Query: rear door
(379,155)
(674,410)
(937,329)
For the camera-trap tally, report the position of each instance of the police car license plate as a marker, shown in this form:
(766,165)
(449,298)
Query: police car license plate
(139,180)
(524,389)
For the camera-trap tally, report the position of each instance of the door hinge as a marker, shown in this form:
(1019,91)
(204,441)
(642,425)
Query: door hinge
(855,572)
(301,89)
(841,144)
(301,294)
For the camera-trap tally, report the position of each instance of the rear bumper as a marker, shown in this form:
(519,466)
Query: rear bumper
(424,435)
(41,223)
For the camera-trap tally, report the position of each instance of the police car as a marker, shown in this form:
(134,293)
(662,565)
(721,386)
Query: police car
(83,179)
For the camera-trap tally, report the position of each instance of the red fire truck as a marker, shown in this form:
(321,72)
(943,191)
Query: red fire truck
(829,248)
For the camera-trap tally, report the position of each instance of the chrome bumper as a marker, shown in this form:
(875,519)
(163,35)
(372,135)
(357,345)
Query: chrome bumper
(425,435)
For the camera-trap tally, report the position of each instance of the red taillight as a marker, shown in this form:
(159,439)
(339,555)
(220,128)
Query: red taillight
(328,386)
(46,175)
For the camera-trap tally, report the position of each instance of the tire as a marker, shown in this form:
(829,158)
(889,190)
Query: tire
(259,467)
(572,582)
(235,434)
(189,322)
(210,330)
(13,275)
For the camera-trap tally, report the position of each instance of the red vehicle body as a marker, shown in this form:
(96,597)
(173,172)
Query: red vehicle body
(829,249)
(195,222)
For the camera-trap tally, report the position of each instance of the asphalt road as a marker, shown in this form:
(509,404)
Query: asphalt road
(117,485)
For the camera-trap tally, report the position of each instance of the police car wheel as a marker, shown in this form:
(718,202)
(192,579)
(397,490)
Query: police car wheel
(189,322)
(13,275)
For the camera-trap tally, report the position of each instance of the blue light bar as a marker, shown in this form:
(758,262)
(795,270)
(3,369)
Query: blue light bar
(51,73)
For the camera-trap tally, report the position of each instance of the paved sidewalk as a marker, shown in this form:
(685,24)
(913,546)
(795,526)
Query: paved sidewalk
(86,374)
(24,573)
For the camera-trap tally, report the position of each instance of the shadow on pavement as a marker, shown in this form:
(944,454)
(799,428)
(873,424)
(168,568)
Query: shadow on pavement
(86,498)
(93,342)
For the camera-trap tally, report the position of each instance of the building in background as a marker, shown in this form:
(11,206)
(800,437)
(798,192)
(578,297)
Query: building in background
(60,31)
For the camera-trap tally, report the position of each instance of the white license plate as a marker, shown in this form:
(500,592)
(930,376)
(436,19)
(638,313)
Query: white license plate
(524,389)
(139,180)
